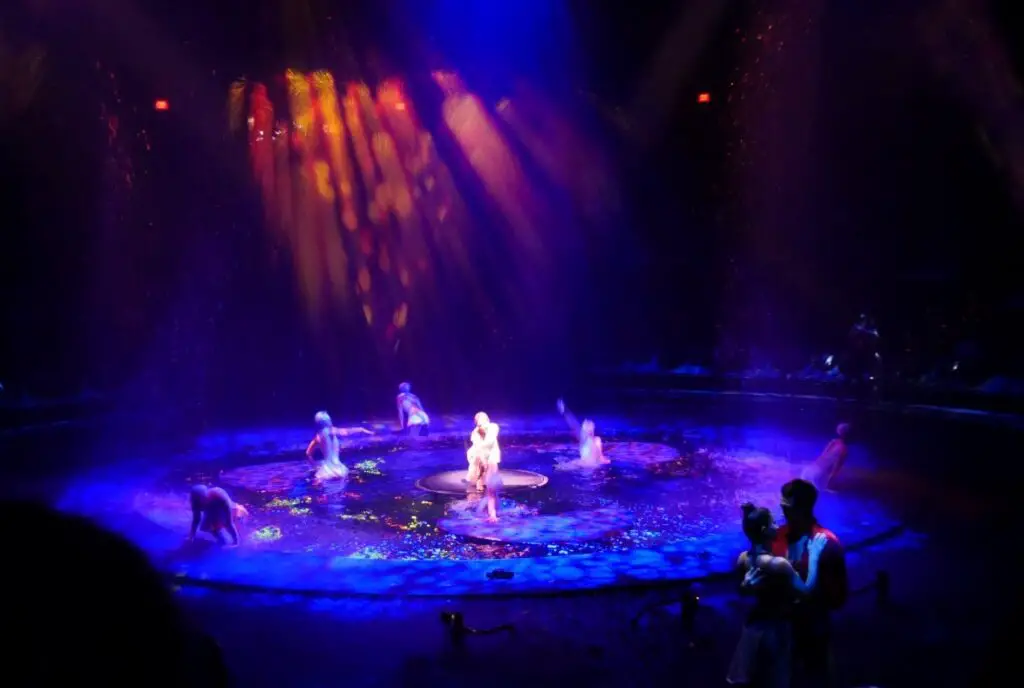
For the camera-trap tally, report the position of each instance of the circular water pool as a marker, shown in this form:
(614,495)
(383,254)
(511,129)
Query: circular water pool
(666,508)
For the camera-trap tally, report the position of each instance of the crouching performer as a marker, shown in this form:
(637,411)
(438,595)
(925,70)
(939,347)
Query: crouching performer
(213,512)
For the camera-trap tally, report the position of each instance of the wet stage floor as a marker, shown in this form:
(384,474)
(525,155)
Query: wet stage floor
(667,508)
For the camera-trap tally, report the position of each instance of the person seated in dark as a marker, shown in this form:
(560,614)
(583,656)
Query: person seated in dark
(862,349)
(84,605)
(812,644)
(213,512)
(763,655)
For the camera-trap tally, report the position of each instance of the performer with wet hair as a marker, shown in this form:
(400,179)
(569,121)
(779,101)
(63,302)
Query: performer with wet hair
(591,449)
(763,654)
(213,512)
(411,416)
(826,467)
(328,440)
(484,454)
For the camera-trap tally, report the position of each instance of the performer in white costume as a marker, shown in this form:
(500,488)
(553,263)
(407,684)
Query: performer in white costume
(484,454)
(591,449)
(411,416)
(328,440)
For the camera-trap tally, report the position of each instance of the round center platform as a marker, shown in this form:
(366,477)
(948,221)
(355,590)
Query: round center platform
(666,508)
(454,482)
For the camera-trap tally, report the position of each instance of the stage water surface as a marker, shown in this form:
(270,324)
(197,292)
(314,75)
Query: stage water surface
(666,509)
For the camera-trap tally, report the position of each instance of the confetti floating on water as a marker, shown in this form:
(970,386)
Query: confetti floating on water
(267,534)
(370,467)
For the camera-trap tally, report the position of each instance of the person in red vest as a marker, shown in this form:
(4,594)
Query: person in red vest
(812,643)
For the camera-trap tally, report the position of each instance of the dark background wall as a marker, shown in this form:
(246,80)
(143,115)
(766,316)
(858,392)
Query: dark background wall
(850,174)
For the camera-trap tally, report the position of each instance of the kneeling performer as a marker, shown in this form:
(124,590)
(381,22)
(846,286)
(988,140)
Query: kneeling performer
(591,449)
(328,440)
(823,471)
(411,416)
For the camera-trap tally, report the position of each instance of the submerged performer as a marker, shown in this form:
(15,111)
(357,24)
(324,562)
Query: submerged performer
(213,512)
(825,468)
(762,656)
(484,454)
(328,439)
(411,416)
(591,449)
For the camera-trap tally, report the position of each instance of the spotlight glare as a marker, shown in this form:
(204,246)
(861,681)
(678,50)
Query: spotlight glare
(704,98)
(161,105)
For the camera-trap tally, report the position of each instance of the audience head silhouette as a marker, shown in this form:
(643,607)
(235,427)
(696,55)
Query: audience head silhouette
(85,605)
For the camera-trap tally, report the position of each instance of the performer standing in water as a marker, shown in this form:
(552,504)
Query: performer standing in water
(826,467)
(328,439)
(213,512)
(591,449)
(411,416)
(484,454)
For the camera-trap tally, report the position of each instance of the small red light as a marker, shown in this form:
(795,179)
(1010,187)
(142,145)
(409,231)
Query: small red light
(704,98)
(161,105)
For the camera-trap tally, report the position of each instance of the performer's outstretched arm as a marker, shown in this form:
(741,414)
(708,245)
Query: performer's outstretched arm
(401,412)
(574,425)
(345,432)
